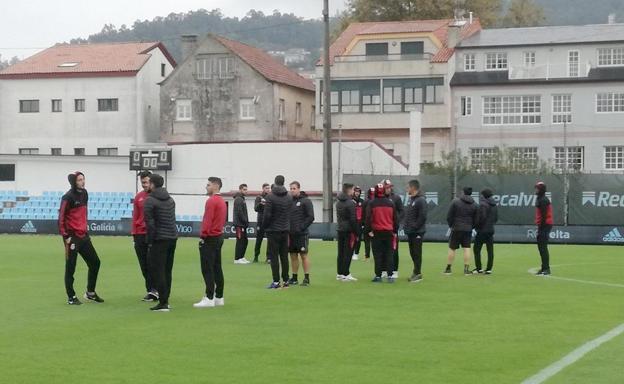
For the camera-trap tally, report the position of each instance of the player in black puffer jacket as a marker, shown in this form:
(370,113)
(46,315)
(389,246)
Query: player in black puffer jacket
(277,226)
(488,216)
(301,217)
(461,218)
(347,228)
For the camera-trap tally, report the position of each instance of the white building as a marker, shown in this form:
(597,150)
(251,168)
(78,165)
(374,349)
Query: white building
(83,99)
(536,91)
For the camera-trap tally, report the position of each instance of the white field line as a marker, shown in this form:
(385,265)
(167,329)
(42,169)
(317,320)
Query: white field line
(534,270)
(573,356)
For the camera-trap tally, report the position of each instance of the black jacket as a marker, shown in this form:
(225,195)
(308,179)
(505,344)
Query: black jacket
(345,213)
(277,210)
(415,216)
(259,208)
(241,219)
(488,215)
(398,204)
(301,214)
(462,215)
(159,212)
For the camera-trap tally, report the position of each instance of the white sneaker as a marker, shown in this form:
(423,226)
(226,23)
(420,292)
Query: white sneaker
(384,274)
(350,278)
(395,275)
(204,303)
(219,302)
(241,261)
(340,277)
(355,257)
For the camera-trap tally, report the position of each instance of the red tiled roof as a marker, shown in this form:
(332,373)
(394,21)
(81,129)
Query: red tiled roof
(91,60)
(438,27)
(266,65)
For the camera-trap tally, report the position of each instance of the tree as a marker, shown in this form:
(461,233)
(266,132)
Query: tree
(523,13)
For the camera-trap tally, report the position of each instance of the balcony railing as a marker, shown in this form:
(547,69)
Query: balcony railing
(390,57)
(549,71)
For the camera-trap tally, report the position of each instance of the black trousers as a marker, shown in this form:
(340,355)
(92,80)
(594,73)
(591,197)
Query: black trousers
(346,241)
(367,245)
(212,270)
(488,240)
(277,251)
(415,242)
(543,236)
(160,261)
(395,256)
(84,247)
(241,243)
(141,248)
(358,244)
(383,252)
(258,245)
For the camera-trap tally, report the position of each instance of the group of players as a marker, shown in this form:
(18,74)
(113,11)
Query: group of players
(284,217)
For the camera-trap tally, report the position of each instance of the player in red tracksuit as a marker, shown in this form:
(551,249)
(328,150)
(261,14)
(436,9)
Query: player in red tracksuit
(210,244)
(73,227)
(139,234)
(382,222)
(359,215)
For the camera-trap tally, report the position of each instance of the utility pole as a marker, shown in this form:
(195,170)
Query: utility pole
(566,180)
(328,195)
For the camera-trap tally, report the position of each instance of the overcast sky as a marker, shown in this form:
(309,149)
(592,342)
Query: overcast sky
(27,26)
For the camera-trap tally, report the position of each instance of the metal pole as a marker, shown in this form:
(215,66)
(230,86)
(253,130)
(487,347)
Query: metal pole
(565,172)
(328,198)
(339,155)
(455,162)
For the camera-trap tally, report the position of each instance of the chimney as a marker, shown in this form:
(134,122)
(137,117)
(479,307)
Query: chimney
(471,17)
(452,38)
(189,44)
(611,18)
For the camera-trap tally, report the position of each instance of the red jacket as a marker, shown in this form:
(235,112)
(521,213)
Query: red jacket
(138,219)
(215,213)
(381,216)
(543,212)
(73,214)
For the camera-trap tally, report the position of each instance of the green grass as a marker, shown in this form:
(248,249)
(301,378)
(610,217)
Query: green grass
(496,329)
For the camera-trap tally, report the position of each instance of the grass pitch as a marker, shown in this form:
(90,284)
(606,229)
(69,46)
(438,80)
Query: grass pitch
(478,329)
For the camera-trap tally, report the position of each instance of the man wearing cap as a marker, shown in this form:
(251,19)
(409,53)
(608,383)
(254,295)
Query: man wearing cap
(74,229)
(544,221)
(398,204)
(381,225)
(461,219)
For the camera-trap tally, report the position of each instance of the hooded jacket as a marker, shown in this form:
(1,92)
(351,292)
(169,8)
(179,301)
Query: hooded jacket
(159,211)
(138,219)
(415,215)
(73,211)
(241,219)
(346,215)
(543,211)
(301,214)
(381,216)
(488,215)
(277,210)
(259,208)
(462,215)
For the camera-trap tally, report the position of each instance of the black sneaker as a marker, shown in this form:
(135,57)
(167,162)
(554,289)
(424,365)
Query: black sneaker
(377,279)
(150,297)
(292,281)
(546,272)
(255,260)
(467,271)
(447,271)
(477,271)
(539,273)
(488,272)
(415,278)
(305,283)
(93,297)
(285,284)
(274,285)
(161,308)
(73,301)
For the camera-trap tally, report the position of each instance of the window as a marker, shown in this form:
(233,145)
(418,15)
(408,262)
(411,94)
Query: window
(524,158)
(79,151)
(412,48)
(509,110)
(371,100)
(576,157)
(496,61)
(466,106)
(57,105)
(610,57)
(376,49)
(247,109)
(427,152)
(281,113)
(609,102)
(56,151)
(226,67)
(29,106)
(107,151)
(79,105)
(529,59)
(573,64)
(108,105)
(393,99)
(313,117)
(413,99)
(29,151)
(298,113)
(470,62)
(184,110)
(483,159)
(7,172)
(334,100)
(614,157)
(163,69)
(561,109)
(350,101)
(434,94)
(203,69)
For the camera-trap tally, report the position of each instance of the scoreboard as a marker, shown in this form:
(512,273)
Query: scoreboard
(150,160)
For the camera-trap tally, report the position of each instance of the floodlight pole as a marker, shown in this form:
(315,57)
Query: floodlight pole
(566,180)
(328,196)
